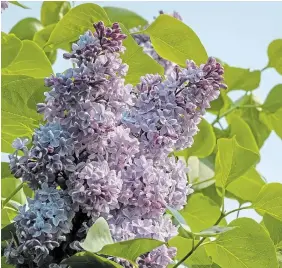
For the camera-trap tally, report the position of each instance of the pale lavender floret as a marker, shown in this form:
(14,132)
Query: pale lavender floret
(4,5)
(96,189)
(149,187)
(158,258)
(41,226)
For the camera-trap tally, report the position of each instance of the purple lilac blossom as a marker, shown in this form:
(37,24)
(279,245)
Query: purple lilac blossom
(41,226)
(106,145)
(4,5)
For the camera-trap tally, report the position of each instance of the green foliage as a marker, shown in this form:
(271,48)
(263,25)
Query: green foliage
(128,18)
(175,41)
(98,236)
(53,11)
(139,62)
(8,231)
(30,61)
(89,260)
(214,230)
(200,173)
(247,246)
(274,227)
(130,249)
(26,28)
(252,116)
(244,136)
(275,55)
(239,78)
(269,200)
(232,161)
(11,47)
(184,245)
(16,3)
(247,187)
(20,94)
(7,216)
(273,101)
(204,142)
(72,25)
(200,212)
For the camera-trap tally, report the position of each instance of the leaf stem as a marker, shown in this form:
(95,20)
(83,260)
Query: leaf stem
(232,109)
(223,215)
(5,202)
(200,182)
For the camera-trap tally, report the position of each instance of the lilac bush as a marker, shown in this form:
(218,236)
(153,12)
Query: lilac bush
(105,150)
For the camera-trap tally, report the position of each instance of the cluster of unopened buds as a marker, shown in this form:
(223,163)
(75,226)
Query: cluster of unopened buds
(104,152)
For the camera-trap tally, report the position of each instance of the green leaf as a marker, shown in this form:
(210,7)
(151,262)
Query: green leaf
(241,79)
(5,170)
(97,236)
(275,55)
(77,21)
(8,231)
(31,61)
(4,264)
(128,18)
(247,246)
(7,216)
(204,142)
(89,260)
(184,245)
(221,104)
(232,161)
(16,3)
(253,118)
(11,46)
(20,94)
(8,186)
(273,121)
(200,212)
(247,186)
(26,28)
(200,173)
(214,230)
(274,227)
(41,38)
(53,11)
(243,133)
(273,101)
(179,218)
(175,41)
(211,192)
(130,249)
(269,200)
(139,63)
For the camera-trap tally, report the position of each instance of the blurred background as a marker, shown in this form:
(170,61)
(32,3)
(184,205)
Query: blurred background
(238,33)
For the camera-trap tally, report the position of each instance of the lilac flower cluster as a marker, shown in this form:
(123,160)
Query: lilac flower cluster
(40,227)
(4,5)
(106,146)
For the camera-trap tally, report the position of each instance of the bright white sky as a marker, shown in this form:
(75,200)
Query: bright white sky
(236,32)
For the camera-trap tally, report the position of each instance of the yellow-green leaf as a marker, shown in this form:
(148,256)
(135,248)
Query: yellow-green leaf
(175,41)
(246,246)
(269,200)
